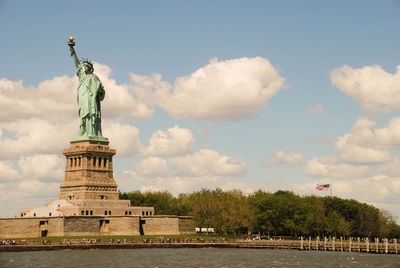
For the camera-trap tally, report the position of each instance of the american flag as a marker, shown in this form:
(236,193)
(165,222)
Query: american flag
(321,187)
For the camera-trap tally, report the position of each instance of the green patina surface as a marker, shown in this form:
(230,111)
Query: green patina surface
(90,93)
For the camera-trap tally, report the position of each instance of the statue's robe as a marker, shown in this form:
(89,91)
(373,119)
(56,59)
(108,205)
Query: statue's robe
(90,93)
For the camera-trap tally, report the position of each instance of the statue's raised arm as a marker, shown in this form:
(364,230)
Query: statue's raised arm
(71,45)
(90,93)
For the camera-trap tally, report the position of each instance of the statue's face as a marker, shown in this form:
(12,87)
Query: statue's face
(88,68)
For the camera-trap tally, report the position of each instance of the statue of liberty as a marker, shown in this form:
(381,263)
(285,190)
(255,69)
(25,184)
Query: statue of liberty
(90,93)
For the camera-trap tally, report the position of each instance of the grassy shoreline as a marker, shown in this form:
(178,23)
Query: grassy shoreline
(182,237)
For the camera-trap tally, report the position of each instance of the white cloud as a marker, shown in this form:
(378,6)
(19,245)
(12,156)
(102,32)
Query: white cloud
(182,184)
(123,137)
(207,161)
(152,166)
(150,89)
(42,167)
(50,99)
(204,169)
(129,181)
(374,88)
(391,169)
(245,187)
(32,136)
(355,153)
(360,145)
(36,187)
(329,167)
(389,136)
(120,99)
(319,108)
(8,172)
(280,157)
(231,89)
(174,141)
(31,115)
(145,189)
(361,132)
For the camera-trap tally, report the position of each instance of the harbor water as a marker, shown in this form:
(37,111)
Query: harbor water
(195,257)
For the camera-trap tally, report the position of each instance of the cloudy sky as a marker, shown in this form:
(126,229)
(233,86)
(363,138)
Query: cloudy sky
(204,94)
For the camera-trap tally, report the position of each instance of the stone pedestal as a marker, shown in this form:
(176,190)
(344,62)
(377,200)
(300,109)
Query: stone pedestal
(89,172)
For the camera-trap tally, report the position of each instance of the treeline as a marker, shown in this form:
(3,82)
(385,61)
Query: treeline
(281,213)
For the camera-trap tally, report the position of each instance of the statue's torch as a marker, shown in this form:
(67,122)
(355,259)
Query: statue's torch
(71,42)
(71,45)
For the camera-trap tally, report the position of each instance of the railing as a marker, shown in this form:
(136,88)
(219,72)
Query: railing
(334,244)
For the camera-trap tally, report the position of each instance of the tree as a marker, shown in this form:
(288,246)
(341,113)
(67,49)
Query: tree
(279,213)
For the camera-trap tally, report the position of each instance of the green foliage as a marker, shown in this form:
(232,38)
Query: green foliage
(272,214)
(164,203)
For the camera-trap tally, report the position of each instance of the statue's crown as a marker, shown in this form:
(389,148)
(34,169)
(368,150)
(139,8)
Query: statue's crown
(86,61)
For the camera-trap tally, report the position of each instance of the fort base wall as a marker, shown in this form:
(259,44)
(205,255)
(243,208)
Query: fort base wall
(30,227)
(167,225)
(124,226)
(94,226)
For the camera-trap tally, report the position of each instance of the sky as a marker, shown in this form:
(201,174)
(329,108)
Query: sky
(272,95)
